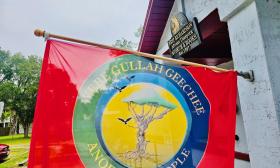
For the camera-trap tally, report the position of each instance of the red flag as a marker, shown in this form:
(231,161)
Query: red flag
(107,108)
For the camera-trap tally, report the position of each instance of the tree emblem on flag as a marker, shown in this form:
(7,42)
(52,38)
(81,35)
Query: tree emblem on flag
(138,113)
(144,117)
(131,112)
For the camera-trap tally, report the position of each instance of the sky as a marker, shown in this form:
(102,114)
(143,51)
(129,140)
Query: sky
(102,21)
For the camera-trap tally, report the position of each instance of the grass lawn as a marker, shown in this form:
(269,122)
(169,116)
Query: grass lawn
(19,148)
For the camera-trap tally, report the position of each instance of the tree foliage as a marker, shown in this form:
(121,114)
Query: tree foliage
(150,97)
(138,32)
(128,44)
(19,79)
(5,70)
(125,44)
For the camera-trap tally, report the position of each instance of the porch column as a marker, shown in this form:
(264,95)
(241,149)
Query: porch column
(255,41)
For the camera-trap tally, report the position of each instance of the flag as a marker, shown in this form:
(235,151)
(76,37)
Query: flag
(106,108)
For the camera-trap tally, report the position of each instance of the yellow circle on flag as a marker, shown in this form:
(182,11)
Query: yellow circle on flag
(143,134)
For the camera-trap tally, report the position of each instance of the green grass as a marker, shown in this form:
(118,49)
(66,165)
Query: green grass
(19,148)
(14,139)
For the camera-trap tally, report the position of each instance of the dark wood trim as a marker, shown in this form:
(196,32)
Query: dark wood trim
(242,156)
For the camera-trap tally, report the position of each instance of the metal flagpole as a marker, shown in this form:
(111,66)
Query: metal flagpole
(43,33)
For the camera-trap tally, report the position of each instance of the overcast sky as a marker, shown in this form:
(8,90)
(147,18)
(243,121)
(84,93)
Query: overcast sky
(102,21)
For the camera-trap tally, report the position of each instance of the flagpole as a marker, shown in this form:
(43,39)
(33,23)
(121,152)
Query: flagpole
(42,33)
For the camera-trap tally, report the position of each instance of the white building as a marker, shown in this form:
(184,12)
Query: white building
(5,123)
(247,34)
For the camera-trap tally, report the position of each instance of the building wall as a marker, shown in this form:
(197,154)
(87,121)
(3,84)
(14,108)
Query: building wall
(6,121)
(257,98)
(269,17)
(254,29)
(1,108)
(166,35)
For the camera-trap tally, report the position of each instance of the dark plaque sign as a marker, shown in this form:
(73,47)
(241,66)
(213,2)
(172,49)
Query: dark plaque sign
(185,35)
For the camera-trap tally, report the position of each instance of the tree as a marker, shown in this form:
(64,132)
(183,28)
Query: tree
(5,70)
(8,94)
(125,44)
(138,32)
(18,87)
(149,101)
(128,44)
(26,79)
